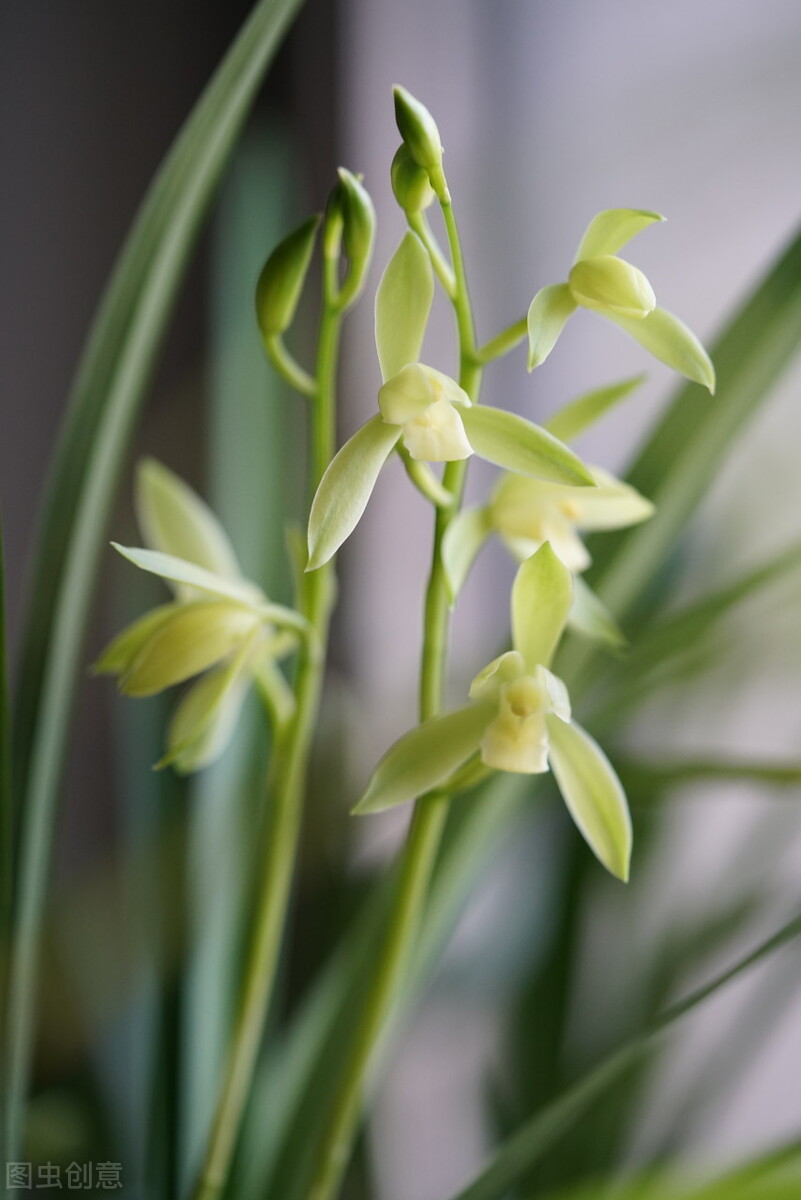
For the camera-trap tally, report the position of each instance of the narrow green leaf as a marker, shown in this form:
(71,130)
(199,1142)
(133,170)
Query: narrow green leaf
(668,339)
(346,487)
(512,442)
(590,617)
(402,304)
(463,539)
(611,229)
(593,794)
(424,758)
(542,594)
(178,570)
(173,519)
(654,776)
(115,370)
(528,1145)
(675,633)
(547,314)
(583,412)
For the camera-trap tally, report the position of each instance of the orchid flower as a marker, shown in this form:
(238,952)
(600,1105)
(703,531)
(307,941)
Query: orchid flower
(424,413)
(605,283)
(519,720)
(218,626)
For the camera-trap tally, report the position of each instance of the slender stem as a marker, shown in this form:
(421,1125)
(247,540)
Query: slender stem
(419,224)
(505,341)
(287,366)
(430,812)
(288,783)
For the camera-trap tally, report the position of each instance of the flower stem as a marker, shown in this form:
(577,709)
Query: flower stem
(430,812)
(505,341)
(288,784)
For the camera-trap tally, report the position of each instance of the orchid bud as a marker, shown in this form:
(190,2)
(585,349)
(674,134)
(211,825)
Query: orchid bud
(612,285)
(420,133)
(410,183)
(282,278)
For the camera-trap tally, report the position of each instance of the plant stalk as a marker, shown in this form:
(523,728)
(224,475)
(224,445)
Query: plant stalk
(430,812)
(288,779)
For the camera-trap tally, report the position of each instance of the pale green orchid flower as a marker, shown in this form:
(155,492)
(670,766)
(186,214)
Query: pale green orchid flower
(524,513)
(605,283)
(219,626)
(520,721)
(425,414)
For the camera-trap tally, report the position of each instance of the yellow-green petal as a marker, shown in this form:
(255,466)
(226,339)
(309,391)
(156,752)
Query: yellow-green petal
(424,758)
(610,230)
(542,594)
(194,638)
(611,285)
(282,277)
(346,487)
(668,339)
(463,539)
(174,519)
(402,305)
(547,314)
(202,724)
(178,570)
(512,442)
(593,794)
(120,652)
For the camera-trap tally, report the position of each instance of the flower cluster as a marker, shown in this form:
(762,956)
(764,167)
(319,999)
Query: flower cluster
(218,626)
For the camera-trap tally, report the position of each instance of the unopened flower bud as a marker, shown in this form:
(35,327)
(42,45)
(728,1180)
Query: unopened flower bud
(358,232)
(350,225)
(410,183)
(420,133)
(610,284)
(282,278)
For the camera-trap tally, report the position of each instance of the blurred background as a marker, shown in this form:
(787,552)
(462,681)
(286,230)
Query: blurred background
(548,114)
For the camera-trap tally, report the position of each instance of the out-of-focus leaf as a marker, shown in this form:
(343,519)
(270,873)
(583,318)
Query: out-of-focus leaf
(111,381)
(516,1157)
(674,634)
(655,776)
(583,412)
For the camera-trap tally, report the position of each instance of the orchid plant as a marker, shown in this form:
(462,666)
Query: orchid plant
(223,628)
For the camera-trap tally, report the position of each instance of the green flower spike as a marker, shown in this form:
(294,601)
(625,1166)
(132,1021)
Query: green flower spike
(217,623)
(424,412)
(519,721)
(603,282)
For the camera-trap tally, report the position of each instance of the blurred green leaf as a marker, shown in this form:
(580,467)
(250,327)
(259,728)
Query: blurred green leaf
(588,408)
(516,1156)
(656,775)
(111,381)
